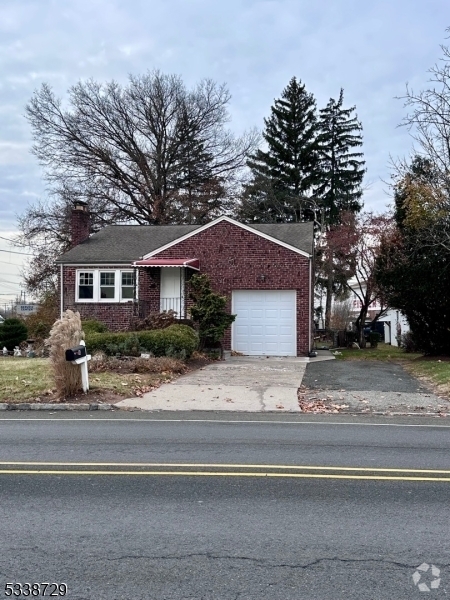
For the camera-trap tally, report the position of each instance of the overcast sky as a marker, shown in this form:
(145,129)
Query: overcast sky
(371,49)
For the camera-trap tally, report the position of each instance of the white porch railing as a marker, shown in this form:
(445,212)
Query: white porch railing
(171,304)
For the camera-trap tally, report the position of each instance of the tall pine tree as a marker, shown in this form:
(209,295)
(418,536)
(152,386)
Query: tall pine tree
(341,160)
(341,175)
(288,170)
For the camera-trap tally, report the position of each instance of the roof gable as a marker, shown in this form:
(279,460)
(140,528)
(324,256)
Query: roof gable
(260,231)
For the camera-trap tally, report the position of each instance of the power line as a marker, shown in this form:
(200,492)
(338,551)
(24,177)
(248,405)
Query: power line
(15,252)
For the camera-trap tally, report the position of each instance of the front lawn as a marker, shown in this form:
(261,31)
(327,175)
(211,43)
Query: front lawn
(23,379)
(381,352)
(434,370)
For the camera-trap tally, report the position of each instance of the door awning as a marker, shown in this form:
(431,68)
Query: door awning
(191,263)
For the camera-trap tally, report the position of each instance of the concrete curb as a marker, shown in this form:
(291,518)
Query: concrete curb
(93,406)
(50,406)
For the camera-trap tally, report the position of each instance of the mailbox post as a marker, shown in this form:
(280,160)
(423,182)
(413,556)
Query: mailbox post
(78,356)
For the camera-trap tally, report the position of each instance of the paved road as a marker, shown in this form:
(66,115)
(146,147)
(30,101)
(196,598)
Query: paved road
(371,386)
(247,533)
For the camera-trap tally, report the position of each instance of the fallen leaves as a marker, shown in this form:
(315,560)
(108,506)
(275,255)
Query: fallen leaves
(309,403)
(317,406)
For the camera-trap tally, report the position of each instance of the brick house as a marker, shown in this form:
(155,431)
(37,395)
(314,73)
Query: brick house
(125,272)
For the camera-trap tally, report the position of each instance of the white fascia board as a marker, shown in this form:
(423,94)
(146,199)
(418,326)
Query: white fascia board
(93,265)
(233,222)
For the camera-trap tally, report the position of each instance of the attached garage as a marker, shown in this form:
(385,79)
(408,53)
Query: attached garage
(265,323)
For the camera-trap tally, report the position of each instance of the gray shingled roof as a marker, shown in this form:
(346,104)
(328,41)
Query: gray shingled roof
(126,243)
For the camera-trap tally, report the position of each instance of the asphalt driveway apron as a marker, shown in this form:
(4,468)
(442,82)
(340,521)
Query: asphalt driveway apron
(370,386)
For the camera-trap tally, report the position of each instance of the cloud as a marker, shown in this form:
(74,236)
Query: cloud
(255,46)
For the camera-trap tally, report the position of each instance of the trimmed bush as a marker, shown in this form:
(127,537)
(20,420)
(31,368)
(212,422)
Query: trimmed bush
(93,326)
(178,341)
(12,333)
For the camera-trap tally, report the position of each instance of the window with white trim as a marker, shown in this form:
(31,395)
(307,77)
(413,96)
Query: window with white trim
(105,285)
(85,285)
(127,285)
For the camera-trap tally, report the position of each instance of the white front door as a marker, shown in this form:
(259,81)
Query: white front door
(171,290)
(265,323)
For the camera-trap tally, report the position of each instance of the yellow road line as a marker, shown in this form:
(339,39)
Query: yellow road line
(226,474)
(227,466)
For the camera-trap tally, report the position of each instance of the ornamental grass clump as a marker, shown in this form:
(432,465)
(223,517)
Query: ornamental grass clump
(66,333)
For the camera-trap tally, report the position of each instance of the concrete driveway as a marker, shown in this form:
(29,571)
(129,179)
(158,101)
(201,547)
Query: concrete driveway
(240,383)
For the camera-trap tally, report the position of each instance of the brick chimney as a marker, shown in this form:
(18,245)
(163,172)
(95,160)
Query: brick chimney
(80,223)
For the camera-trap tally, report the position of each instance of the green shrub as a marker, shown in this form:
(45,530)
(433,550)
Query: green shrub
(374,338)
(408,343)
(12,333)
(209,312)
(93,326)
(178,341)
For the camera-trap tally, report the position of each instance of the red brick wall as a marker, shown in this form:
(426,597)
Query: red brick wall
(80,226)
(116,316)
(235,259)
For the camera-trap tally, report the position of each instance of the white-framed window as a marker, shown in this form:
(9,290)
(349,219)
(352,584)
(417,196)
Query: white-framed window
(105,285)
(127,285)
(85,285)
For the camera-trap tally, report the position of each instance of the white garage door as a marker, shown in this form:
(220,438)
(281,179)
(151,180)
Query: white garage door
(265,323)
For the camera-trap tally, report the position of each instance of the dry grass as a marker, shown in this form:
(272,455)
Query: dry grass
(65,333)
(433,370)
(24,378)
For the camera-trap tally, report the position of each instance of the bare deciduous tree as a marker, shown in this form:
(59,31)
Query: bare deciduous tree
(139,146)
(150,152)
(428,119)
(370,231)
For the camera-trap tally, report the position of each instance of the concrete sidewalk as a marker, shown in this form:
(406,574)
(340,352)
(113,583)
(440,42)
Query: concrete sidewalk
(239,383)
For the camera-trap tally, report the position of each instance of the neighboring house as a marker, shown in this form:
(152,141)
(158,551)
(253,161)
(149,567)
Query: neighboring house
(395,325)
(125,272)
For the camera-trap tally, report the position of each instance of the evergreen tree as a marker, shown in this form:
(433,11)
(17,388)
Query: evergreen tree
(341,174)
(288,170)
(199,195)
(341,160)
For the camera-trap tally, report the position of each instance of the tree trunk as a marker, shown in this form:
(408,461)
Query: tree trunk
(329,291)
(360,324)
